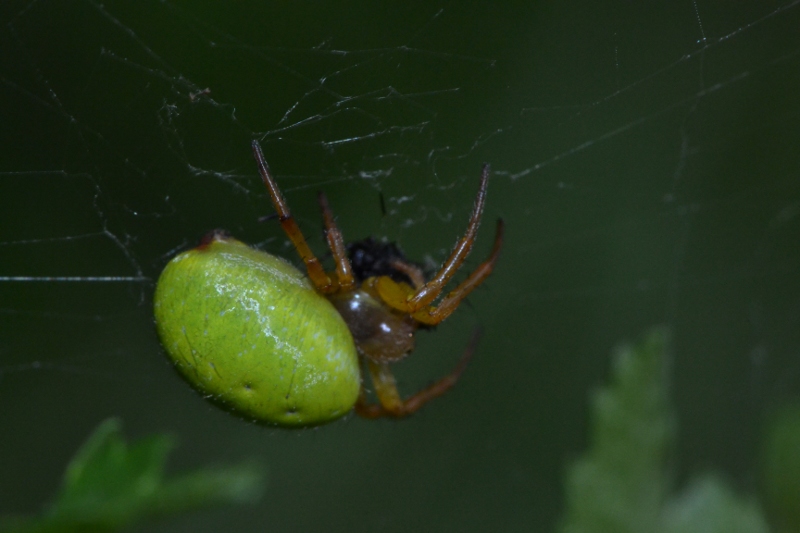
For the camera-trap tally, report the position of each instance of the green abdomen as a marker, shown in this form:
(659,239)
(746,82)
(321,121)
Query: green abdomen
(249,331)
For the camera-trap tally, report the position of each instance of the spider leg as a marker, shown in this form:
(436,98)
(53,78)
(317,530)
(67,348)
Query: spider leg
(313,266)
(391,405)
(434,315)
(344,271)
(385,389)
(413,272)
(431,290)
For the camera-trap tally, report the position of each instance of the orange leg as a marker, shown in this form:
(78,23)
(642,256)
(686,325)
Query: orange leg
(344,271)
(315,271)
(391,405)
(434,315)
(425,295)
(413,272)
(433,288)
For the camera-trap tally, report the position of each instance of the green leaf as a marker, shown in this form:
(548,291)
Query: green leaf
(110,484)
(709,506)
(619,485)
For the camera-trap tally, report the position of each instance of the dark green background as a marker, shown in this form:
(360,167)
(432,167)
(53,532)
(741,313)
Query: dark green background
(645,159)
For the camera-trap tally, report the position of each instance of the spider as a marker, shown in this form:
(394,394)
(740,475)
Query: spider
(270,344)
(382,313)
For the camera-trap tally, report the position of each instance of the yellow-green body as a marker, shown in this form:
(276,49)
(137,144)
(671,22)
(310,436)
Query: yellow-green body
(248,331)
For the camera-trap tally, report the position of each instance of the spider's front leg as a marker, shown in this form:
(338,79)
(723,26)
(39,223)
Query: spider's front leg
(433,315)
(391,404)
(399,297)
(419,303)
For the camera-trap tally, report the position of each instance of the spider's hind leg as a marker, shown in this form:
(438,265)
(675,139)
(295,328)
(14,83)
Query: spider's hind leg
(344,271)
(313,266)
(391,405)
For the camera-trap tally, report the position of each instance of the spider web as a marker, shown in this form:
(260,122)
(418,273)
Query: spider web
(644,159)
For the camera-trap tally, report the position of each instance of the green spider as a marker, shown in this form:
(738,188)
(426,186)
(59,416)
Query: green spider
(256,336)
